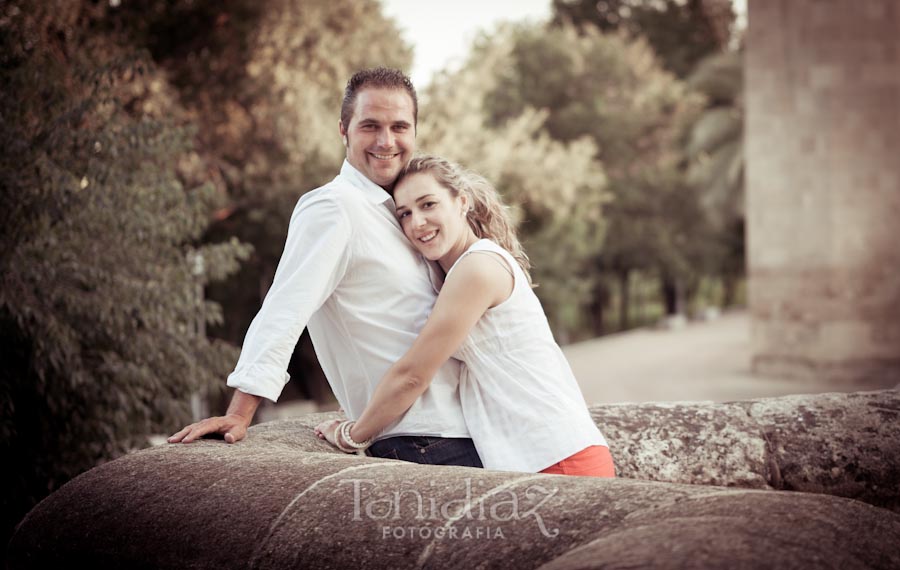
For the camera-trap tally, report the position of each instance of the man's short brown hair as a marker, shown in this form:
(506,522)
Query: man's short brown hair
(382,77)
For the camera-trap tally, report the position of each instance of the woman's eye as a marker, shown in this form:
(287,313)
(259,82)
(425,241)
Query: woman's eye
(402,215)
(429,204)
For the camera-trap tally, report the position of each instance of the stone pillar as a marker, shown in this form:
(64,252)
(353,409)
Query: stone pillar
(823,189)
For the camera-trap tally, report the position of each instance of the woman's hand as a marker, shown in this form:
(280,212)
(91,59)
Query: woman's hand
(327,430)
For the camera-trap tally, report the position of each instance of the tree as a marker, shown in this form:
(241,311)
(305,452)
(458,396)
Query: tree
(263,83)
(99,270)
(686,35)
(556,189)
(681,32)
(716,152)
(611,90)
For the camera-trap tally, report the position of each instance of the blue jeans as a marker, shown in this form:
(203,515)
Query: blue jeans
(427,450)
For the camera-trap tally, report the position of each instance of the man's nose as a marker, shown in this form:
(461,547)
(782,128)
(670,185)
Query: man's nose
(385,138)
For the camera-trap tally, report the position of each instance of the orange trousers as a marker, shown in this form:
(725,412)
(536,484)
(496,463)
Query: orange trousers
(594,461)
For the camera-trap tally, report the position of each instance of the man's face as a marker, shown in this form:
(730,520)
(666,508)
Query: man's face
(381,136)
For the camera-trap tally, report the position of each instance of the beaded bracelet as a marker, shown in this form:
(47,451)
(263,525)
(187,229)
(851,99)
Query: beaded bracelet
(337,440)
(344,430)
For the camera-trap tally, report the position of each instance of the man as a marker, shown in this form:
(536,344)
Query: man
(350,276)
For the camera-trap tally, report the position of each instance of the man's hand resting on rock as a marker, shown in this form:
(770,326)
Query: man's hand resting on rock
(232,426)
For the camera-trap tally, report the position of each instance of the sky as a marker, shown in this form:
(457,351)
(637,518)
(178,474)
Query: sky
(441,32)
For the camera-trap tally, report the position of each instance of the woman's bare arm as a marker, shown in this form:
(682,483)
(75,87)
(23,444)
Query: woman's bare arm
(476,284)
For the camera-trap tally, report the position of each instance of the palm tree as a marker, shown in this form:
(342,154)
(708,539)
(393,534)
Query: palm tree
(715,149)
(715,144)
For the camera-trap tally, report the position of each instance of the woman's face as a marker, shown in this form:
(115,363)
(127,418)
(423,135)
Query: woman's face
(431,217)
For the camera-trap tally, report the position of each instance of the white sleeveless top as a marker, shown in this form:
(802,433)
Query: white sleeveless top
(519,397)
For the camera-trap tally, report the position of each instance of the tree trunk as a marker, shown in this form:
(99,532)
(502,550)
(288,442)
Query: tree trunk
(598,308)
(670,295)
(624,299)
(729,286)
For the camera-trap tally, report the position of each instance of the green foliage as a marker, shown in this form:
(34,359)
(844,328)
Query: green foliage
(100,301)
(611,91)
(556,188)
(715,149)
(691,39)
(681,32)
(263,83)
(715,143)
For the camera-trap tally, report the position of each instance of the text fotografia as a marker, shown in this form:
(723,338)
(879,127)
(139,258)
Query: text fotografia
(493,507)
(441,532)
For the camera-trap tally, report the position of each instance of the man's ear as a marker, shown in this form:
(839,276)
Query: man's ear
(343,132)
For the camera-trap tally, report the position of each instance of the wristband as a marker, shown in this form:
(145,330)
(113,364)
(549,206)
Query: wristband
(344,430)
(337,440)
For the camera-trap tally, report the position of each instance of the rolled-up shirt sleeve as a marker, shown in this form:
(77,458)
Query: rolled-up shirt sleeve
(314,260)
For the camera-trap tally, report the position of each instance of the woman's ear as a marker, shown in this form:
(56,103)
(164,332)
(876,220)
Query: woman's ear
(464,203)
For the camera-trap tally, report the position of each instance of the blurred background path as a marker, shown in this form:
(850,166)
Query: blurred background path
(708,360)
(703,360)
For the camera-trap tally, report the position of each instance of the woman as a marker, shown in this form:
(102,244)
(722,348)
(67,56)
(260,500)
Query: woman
(522,405)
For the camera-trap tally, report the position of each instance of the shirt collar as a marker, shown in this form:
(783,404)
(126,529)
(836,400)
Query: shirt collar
(374,193)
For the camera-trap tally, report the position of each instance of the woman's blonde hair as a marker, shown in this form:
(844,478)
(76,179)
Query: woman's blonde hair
(488,216)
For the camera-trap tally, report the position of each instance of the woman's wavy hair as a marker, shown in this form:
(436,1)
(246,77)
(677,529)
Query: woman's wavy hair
(488,216)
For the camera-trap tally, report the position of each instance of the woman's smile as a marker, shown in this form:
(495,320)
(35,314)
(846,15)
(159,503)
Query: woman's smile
(433,219)
(427,237)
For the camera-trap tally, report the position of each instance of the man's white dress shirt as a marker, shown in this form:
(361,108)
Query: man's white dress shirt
(349,274)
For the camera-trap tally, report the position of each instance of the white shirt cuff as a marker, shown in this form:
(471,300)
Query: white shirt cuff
(259,380)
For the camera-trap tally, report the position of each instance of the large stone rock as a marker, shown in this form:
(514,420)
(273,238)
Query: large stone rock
(284,499)
(701,443)
(745,530)
(840,444)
